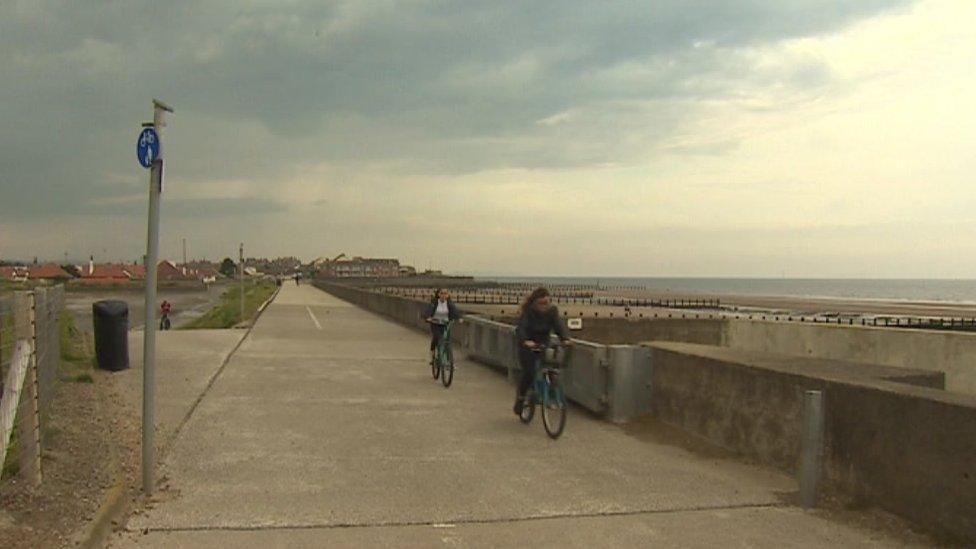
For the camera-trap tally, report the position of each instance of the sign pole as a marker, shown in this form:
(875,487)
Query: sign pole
(242,281)
(149,329)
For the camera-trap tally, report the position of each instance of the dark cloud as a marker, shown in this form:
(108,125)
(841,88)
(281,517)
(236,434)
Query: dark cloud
(263,89)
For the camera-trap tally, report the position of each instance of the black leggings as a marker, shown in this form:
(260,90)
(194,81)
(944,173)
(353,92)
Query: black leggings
(527,361)
(436,333)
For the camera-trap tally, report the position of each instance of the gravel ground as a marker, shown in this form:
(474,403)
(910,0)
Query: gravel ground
(79,462)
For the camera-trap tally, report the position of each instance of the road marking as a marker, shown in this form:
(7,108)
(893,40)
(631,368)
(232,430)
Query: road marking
(311,314)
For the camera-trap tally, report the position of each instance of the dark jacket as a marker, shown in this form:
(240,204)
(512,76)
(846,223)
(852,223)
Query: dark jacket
(537,326)
(452,311)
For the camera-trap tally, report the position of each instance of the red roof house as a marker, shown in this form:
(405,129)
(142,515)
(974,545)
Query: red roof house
(136,271)
(107,273)
(49,271)
(13,274)
(169,271)
(205,273)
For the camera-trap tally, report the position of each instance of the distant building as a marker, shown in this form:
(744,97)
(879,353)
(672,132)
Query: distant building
(136,271)
(280,266)
(202,270)
(121,273)
(49,272)
(357,267)
(407,270)
(207,275)
(14,274)
(168,271)
(106,273)
(363,267)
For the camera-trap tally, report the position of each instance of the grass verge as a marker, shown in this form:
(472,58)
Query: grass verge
(75,366)
(227,312)
(77,355)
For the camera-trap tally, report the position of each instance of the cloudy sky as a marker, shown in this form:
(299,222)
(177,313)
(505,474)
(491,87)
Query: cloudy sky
(666,138)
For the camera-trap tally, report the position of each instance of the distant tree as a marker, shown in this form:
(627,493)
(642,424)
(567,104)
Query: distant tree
(228,267)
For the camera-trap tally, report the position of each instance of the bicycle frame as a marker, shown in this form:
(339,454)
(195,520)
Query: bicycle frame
(548,391)
(544,368)
(444,345)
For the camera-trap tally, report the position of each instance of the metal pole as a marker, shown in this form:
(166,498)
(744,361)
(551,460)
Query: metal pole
(242,280)
(811,464)
(149,330)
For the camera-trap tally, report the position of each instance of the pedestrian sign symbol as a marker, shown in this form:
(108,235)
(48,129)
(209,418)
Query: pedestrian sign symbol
(147,147)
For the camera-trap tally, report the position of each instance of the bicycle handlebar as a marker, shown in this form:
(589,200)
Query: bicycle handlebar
(538,348)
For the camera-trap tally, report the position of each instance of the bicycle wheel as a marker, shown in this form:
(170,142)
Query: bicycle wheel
(435,366)
(528,410)
(553,407)
(447,367)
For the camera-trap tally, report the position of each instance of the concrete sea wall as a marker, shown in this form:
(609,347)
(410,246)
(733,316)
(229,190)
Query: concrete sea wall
(891,436)
(953,353)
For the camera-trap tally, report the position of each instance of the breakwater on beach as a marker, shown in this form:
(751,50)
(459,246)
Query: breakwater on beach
(923,290)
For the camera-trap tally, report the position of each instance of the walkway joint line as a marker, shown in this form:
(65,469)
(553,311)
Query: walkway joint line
(463,522)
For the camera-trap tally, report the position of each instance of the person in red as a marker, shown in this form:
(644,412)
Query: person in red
(164,310)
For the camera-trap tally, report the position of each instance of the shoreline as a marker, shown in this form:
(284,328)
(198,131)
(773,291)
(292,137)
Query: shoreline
(816,289)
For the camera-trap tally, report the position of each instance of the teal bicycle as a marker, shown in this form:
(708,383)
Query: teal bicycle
(547,391)
(443,364)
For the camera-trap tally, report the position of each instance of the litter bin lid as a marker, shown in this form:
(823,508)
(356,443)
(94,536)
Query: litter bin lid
(111,307)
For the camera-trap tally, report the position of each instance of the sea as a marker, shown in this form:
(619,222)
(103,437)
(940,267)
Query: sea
(909,290)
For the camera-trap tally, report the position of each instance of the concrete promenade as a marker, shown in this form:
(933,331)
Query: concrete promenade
(325,429)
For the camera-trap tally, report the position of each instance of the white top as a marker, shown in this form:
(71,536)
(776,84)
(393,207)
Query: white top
(441,312)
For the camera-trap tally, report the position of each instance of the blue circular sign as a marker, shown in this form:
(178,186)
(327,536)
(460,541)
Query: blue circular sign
(147,147)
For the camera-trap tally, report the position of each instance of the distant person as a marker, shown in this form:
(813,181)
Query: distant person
(440,311)
(164,310)
(538,321)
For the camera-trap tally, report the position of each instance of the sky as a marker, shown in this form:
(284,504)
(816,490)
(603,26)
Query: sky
(753,138)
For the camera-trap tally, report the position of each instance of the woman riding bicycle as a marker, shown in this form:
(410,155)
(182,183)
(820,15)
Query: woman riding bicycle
(440,311)
(539,320)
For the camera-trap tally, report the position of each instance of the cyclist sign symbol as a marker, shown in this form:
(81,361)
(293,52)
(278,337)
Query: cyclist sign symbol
(147,147)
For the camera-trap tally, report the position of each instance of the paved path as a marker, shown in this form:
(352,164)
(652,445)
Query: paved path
(326,429)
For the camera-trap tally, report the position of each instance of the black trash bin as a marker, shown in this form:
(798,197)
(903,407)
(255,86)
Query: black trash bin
(111,319)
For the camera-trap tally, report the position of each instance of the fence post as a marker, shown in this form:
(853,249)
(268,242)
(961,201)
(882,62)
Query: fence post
(811,451)
(29,431)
